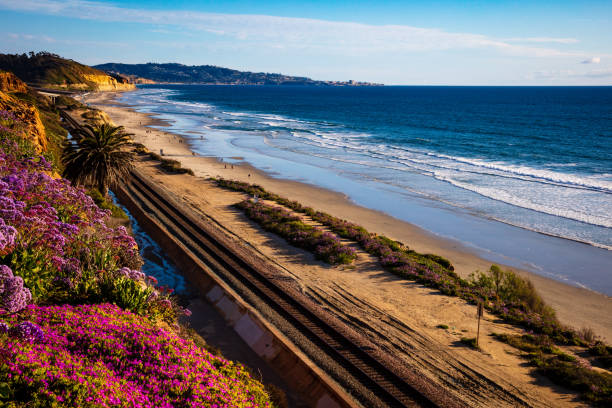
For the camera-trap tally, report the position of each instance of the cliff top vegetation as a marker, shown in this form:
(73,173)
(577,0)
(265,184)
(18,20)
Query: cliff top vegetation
(45,69)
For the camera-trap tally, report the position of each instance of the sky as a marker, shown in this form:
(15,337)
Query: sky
(405,42)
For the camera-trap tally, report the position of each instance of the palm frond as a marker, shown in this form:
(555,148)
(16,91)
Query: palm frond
(96,158)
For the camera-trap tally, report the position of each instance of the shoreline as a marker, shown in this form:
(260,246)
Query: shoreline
(578,307)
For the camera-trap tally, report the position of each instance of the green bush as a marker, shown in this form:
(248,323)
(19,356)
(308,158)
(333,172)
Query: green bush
(562,368)
(126,293)
(442,261)
(68,102)
(277,396)
(594,386)
(106,204)
(470,342)
(140,148)
(172,166)
(508,287)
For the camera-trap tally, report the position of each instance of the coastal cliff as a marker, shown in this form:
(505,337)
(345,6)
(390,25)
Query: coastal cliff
(10,83)
(99,82)
(48,70)
(28,117)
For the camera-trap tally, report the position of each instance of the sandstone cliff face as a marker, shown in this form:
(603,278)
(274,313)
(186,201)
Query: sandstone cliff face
(93,83)
(31,126)
(10,83)
(96,117)
(107,83)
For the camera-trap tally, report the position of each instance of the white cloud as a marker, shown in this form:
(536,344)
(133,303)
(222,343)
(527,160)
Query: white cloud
(543,40)
(592,60)
(599,73)
(557,75)
(73,41)
(327,37)
(30,37)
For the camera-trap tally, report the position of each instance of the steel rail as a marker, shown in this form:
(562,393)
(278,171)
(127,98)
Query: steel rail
(371,373)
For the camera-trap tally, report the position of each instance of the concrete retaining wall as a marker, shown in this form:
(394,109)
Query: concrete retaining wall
(309,381)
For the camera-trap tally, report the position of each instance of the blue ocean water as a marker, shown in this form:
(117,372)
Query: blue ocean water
(536,158)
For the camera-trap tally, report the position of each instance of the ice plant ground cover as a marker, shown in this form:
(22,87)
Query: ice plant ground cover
(502,293)
(324,245)
(102,356)
(79,323)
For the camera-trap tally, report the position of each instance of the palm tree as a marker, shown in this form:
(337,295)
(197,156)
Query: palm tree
(95,156)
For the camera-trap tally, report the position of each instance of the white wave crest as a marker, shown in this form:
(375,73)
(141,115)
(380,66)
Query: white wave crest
(506,197)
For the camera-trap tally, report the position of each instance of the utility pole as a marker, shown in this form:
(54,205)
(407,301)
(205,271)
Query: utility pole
(480,312)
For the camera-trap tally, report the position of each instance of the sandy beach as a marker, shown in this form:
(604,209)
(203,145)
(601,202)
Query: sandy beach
(401,316)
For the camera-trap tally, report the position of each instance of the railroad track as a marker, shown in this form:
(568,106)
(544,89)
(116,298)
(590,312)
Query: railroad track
(390,388)
(69,123)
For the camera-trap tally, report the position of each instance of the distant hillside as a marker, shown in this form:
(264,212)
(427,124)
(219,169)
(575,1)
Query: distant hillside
(207,74)
(51,71)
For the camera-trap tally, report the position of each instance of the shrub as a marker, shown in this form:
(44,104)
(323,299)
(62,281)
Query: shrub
(440,260)
(562,368)
(140,148)
(126,293)
(594,386)
(602,353)
(174,166)
(470,342)
(587,334)
(324,245)
(106,204)
(155,156)
(510,288)
(68,102)
(277,396)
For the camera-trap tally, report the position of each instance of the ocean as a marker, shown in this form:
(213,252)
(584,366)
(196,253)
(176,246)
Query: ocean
(520,175)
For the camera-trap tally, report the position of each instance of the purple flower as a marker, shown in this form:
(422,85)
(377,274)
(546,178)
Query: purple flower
(131,274)
(4,328)
(8,234)
(13,296)
(27,331)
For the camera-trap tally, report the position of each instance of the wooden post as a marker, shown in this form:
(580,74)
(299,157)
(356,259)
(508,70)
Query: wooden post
(480,311)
